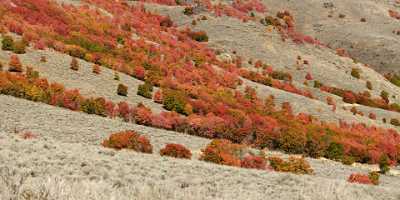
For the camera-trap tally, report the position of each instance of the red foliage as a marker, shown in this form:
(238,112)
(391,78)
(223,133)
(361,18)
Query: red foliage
(128,140)
(372,116)
(142,115)
(139,72)
(254,162)
(359,178)
(176,150)
(309,77)
(394,14)
(125,111)
(349,97)
(28,135)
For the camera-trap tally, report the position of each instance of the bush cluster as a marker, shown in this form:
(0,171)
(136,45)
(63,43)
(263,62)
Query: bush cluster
(8,44)
(176,150)
(293,165)
(128,140)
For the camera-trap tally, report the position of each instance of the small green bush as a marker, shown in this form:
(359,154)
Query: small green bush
(374,177)
(334,151)
(145,90)
(174,101)
(122,90)
(384,164)
(94,106)
(7,44)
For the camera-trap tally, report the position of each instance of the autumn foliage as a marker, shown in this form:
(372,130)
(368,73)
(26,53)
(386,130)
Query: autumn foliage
(192,81)
(15,64)
(176,150)
(128,140)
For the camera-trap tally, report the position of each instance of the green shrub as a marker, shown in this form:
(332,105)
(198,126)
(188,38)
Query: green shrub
(355,73)
(348,160)
(385,95)
(7,44)
(334,151)
(384,164)
(174,101)
(145,90)
(94,106)
(281,75)
(374,177)
(122,90)
(317,84)
(31,74)
(292,141)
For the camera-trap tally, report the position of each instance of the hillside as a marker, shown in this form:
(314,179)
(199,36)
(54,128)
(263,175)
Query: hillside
(159,99)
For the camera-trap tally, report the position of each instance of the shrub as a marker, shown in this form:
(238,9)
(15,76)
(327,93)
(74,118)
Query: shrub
(19,47)
(385,96)
(395,122)
(166,22)
(31,74)
(128,140)
(122,90)
(309,77)
(253,162)
(96,69)
(372,116)
(360,178)
(116,76)
(224,152)
(348,160)
(7,43)
(374,177)
(355,73)
(292,141)
(293,165)
(176,150)
(74,64)
(199,36)
(94,106)
(384,164)
(188,11)
(174,101)
(349,97)
(142,115)
(281,75)
(335,151)
(317,84)
(369,85)
(145,90)
(15,64)
(1,66)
